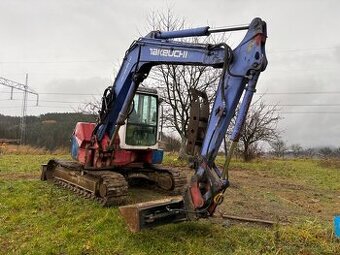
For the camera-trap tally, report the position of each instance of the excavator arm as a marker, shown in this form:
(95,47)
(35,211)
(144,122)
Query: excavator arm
(138,61)
(241,68)
(238,67)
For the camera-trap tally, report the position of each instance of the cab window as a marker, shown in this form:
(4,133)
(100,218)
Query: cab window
(141,128)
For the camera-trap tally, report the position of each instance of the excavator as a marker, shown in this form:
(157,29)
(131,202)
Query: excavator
(122,146)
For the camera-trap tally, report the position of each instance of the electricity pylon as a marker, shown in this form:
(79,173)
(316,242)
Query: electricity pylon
(25,88)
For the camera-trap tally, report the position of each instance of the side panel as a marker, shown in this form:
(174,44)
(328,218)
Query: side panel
(81,137)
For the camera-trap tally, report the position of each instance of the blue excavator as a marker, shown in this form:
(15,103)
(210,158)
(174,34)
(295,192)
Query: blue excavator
(122,146)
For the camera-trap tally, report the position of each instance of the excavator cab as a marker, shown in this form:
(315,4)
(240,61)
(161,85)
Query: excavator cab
(141,127)
(138,137)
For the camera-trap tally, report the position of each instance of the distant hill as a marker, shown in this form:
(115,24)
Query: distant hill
(51,130)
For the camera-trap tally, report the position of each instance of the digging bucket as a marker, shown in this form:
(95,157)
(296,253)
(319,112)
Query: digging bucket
(153,213)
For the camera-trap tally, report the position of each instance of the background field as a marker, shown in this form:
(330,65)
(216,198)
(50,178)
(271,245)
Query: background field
(301,195)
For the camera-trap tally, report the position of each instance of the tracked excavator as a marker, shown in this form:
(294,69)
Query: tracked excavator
(122,145)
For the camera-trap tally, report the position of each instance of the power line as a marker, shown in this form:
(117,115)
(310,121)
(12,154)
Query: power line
(63,102)
(75,94)
(300,93)
(40,106)
(10,107)
(297,49)
(303,105)
(13,85)
(65,61)
(54,106)
(309,112)
(295,71)
(285,105)
(48,101)
(59,93)
(258,93)
(55,61)
(282,112)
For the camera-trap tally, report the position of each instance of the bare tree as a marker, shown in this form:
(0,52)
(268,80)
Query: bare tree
(279,147)
(260,126)
(337,152)
(326,151)
(171,143)
(91,107)
(297,149)
(310,152)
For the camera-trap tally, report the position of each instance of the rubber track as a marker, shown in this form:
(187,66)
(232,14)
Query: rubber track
(179,180)
(116,185)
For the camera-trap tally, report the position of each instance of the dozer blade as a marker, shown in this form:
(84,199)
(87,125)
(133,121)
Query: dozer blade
(153,213)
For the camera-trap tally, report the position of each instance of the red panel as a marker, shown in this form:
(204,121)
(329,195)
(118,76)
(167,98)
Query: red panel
(196,195)
(81,156)
(83,132)
(123,157)
(83,135)
(147,156)
(105,142)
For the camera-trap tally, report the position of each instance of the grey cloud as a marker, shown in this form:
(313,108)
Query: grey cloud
(75,44)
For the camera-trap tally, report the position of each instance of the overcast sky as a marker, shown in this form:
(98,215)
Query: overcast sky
(73,47)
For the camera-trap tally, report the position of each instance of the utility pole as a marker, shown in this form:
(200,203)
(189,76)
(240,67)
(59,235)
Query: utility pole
(27,90)
(23,114)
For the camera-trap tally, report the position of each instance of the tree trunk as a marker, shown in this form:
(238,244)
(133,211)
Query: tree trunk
(182,150)
(246,153)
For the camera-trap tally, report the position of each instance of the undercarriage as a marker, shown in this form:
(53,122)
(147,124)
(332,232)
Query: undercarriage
(110,186)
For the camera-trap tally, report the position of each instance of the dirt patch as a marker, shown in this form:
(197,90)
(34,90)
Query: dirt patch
(330,163)
(258,195)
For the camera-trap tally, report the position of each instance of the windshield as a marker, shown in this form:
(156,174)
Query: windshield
(141,128)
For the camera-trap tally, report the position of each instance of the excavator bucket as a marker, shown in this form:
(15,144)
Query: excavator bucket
(153,213)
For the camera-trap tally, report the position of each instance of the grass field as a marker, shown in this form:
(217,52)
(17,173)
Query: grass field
(39,218)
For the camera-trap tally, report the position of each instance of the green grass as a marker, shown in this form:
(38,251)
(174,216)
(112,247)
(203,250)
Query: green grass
(310,172)
(324,174)
(39,218)
(24,163)
(171,159)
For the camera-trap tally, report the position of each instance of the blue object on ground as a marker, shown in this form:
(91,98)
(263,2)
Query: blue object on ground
(337,226)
